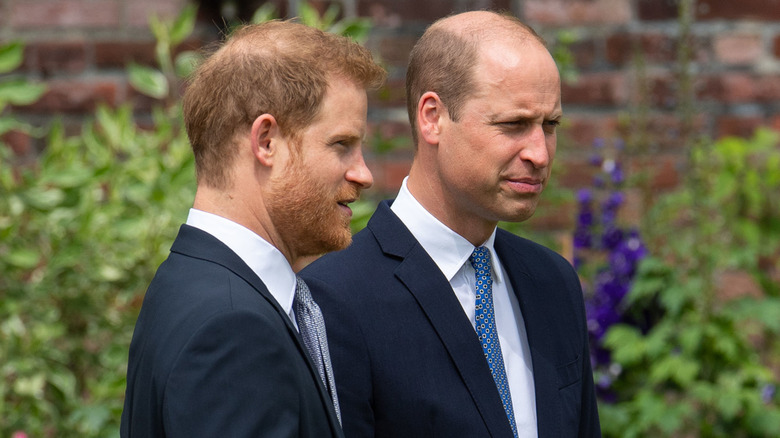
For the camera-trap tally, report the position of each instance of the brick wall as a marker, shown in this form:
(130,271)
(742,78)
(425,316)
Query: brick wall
(80,47)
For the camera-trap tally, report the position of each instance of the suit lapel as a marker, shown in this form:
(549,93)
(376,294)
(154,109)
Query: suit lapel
(418,272)
(194,242)
(528,293)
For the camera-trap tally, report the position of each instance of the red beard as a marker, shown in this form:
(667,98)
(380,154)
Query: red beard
(307,215)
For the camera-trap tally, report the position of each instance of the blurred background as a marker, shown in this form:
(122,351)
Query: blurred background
(665,192)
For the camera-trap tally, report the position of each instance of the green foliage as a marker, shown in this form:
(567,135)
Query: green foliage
(15,91)
(705,369)
(356,28)
(82,234)
(162,83)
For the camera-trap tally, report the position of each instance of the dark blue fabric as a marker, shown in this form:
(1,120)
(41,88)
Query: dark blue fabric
(407,360)
(213,354)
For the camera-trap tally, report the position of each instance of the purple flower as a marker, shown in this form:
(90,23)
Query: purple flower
(614,200)
(612,237)
(768,393)
(585,218)
(584,196)
(583,238)
(595,160)
(617,175)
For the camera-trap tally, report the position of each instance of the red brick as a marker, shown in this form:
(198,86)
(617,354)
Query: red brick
(118,53)
(774,122)
(392,94)
(596,89)
(657,10)
(65,13)
(777,46)
(738,126)
(139,11)
(573,172)
(60,57)
(392,130)
(740,88)
(393,14)
(553,215)
(769,88)
(584,52)
(140,101)
(662,170)
(580,130)
(388,175)
(662,92)
(764,10)
(394,50)
(662,131)
(738,48)
(654,48)
(75,96)
(18,141)
(574,12)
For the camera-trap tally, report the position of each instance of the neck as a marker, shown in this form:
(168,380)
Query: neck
(248,213)
(424,185)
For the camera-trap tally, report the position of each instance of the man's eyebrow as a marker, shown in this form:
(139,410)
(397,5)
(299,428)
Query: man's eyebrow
(523,115)
(350,138)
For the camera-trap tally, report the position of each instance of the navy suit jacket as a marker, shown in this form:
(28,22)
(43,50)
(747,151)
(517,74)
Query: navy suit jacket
(407,360)
(213,354)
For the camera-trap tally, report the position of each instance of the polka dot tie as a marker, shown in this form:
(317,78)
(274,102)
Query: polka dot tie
(312,327)
(485,319)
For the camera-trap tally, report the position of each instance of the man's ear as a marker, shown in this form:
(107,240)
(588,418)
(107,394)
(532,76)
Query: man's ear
(265,136)
(430,113)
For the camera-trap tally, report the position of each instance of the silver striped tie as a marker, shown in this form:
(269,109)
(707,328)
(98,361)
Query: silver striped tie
(312,328)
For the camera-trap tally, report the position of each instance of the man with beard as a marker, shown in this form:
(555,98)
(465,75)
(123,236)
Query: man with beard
(440,323)
(228,341)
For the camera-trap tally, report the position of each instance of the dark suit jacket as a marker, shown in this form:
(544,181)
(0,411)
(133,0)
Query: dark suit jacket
(407,360)
(214,355)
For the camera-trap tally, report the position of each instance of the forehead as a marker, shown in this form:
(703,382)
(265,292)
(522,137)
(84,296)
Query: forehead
(517,72)
(343,108)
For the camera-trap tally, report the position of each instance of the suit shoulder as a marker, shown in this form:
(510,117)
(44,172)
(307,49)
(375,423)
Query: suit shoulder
(531,248)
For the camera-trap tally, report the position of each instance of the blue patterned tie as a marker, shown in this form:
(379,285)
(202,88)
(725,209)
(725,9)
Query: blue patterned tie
(485,319)
(312,328)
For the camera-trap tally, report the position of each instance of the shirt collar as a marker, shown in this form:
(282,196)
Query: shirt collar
(263,258)
(448,249)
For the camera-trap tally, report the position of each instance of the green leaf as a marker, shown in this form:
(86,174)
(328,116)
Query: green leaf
(11,56)
(23,258)
(184,24)
(30,386)
(43,199)
(20,92)
(357,29)
(264,13)
(626,344)
(309,15)
(148,81)
(186,62)
(9,124)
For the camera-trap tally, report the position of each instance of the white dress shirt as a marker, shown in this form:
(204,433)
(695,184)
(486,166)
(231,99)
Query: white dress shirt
(451,253)
(263,258)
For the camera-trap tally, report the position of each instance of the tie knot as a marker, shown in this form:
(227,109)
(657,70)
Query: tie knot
(480,258)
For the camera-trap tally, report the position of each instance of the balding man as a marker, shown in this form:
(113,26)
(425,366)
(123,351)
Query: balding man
(442,325)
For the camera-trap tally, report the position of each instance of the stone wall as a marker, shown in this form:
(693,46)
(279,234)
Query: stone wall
(625,52)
